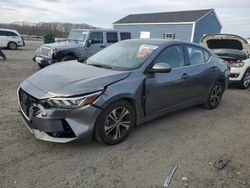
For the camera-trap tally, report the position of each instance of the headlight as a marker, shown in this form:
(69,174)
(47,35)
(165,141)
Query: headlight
(238,64)
(74,102)
(51,52)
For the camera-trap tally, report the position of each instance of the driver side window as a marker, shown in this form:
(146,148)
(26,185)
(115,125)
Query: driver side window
(173,55)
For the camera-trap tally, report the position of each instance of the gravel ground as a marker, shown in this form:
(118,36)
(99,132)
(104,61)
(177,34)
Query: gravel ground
(193,139)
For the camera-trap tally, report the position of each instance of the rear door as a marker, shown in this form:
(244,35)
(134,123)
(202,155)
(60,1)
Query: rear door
(166,91)
(97,43)
(201,72)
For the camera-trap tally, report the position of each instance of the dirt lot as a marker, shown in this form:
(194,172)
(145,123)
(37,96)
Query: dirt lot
(192,139)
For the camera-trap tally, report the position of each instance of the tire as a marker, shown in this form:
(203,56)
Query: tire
(109,128)
(215,96)
(12,46)
(245,82)
(40,66)
(68,58)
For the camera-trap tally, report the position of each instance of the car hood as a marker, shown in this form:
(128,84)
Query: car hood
(226,41)
(73,78)
(63,45)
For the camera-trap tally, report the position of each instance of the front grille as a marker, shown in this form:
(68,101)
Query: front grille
(44,51)
(26,102)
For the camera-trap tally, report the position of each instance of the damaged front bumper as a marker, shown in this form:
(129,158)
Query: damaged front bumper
(57,125)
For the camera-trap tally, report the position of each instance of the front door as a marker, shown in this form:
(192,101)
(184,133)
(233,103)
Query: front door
(166,91)
(97,43)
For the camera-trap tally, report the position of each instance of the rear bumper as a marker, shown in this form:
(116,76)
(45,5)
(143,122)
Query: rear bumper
(42,61)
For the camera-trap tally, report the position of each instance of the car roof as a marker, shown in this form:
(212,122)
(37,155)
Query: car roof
(12,30)
(160,42)
(100,30)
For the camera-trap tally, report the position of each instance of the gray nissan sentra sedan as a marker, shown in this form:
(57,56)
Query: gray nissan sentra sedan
(124,85)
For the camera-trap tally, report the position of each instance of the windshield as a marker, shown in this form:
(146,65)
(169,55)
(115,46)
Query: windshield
(122,55)
(77,35)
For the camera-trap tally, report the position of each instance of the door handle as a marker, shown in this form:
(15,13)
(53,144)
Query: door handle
(214,69)
(185,76)
(102,46)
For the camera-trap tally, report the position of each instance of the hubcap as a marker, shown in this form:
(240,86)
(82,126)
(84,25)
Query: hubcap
(117,123)
(216,95)
(246,80)
(12,46)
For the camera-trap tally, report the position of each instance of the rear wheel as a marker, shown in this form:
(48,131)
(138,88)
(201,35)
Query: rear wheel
(68,58)
(12,46)
(245,82)
(115,123)
(214,96)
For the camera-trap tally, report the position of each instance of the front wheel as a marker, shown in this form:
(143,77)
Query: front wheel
(12,46)
(115,123)
(245,82)
(215,96)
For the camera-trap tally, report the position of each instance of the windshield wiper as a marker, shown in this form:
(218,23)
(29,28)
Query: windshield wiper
(101,66)
(70,40)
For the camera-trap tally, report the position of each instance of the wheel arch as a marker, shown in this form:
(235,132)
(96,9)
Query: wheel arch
(63,54)
(122,97)
(126,97)
(222,81)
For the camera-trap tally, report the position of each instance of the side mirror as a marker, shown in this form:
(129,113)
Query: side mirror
(89,42)
(82,59)
(161,68)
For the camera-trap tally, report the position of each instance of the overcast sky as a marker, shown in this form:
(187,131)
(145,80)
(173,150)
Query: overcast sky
(233,14)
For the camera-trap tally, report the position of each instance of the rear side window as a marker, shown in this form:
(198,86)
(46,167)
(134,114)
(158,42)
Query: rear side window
(125,35)
(112,37)
(172,55)
(96,37)
(196,55)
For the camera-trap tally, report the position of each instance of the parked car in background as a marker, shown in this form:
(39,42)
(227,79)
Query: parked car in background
(126,84)
(236,51)
(80,43)
(10,39)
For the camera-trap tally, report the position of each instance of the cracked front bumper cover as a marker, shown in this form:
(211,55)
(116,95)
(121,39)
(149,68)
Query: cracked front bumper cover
(58,125)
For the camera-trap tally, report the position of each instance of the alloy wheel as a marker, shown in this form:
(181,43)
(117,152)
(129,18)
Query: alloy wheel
(117,123)
(246,79)
(216,95)
(12,46)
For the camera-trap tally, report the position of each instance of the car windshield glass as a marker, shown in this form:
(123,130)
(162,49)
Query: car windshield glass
(77,36)
(123,55)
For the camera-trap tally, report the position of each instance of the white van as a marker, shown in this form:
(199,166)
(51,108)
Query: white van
(10,39)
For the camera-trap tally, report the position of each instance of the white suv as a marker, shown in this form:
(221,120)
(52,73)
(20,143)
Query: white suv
(10,39)
(236,51)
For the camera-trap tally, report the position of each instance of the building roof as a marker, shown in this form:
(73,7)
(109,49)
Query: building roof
(165,17)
